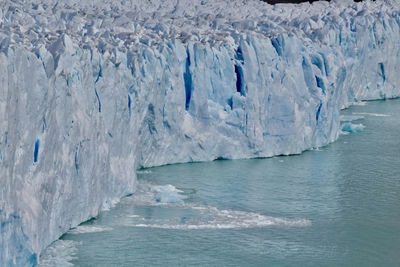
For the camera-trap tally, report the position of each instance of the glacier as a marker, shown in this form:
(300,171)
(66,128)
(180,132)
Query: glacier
(90,91)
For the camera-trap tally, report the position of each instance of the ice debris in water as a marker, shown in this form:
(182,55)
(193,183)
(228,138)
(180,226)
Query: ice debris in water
(149,194)
(352,128)
(108,204)
(196,216)
(210,217)
(168,194)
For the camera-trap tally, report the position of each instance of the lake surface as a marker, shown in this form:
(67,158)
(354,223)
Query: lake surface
(336,206)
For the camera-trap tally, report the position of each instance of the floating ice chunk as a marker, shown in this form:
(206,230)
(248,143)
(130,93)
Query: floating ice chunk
(153,195)
(108,204)
(352,128)
(168,194)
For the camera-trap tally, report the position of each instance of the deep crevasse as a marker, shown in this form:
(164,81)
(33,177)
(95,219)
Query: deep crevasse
(77,120)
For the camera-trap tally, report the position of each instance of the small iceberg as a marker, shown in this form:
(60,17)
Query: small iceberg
(168,194)
(153,195)
(352,128)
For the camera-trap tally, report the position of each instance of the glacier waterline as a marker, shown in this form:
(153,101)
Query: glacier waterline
(93,91)
(348,189)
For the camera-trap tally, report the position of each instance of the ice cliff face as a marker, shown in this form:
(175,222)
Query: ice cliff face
(92,90)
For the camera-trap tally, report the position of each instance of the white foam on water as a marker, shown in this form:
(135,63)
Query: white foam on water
(209,217)
(143,172)
(133,216)
(85,229)
(372,114)
(359,103)
(230,219)
(220,219)
(349,118)
(317,149)
(59,254)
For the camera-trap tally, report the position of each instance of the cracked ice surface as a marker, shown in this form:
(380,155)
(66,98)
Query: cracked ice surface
(92,90)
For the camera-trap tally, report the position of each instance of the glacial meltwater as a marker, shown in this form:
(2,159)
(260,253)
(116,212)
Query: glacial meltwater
(338,205)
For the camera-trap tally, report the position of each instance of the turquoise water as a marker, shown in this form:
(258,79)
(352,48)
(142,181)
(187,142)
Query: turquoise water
(336,206)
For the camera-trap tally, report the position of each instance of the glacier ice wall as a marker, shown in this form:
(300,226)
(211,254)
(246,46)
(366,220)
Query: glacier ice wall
(92,91)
